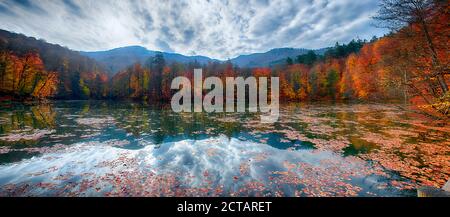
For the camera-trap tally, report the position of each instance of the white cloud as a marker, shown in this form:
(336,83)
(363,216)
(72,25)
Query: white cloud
(218,29)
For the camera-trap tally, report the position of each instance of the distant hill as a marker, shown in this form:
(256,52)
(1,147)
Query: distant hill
(120,58)
(112,61)
(272,57)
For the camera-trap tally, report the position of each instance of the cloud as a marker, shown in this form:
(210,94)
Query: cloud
(219,29)
(163,45)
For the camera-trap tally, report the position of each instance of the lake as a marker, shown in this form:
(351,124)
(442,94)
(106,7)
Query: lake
(104,148)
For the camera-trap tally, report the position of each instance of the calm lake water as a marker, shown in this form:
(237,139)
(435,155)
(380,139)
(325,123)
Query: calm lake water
(102,148)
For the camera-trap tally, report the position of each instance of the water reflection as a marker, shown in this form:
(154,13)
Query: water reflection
(212,167)
(314,150)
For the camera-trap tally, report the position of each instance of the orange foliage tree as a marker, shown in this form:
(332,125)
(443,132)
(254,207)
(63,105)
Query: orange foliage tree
(420,54)
(25,77)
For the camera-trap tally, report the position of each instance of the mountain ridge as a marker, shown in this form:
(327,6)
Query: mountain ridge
(117,59)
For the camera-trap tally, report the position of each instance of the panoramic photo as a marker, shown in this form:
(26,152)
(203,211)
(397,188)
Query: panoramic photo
(224,99)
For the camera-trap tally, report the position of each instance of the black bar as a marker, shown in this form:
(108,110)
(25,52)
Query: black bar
(169,206)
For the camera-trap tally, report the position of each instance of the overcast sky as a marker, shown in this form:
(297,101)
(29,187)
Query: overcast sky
(218,29)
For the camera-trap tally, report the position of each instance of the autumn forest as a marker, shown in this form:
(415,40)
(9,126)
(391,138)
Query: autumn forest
(411,63)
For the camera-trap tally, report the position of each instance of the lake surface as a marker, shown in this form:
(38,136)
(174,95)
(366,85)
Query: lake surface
(102,148)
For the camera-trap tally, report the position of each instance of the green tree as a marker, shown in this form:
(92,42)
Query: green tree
(156,65)
(332,80)
(308,59)
(85,91)
(289,61)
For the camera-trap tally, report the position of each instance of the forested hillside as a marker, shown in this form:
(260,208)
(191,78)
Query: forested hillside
(27,62)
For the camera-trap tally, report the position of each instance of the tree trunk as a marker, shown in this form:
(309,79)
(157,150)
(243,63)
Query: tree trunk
(435,61)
